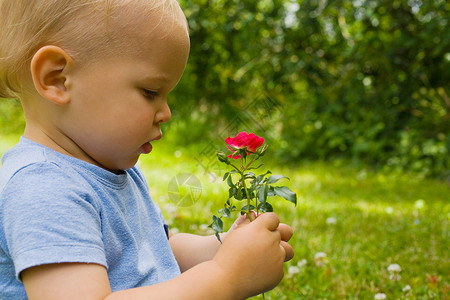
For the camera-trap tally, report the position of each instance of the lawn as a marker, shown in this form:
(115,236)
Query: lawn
(360,222)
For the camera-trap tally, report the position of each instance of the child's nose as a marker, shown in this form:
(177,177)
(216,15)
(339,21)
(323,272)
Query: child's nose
(164,114)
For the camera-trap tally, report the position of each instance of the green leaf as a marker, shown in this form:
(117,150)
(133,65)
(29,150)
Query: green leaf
(225,212)
(271,191)
(239,195)
(254,168)
(249,175)
(228,174)
(217,225)
(286,193)
(218,237)
(232,192)
(262,193)
(260,177)
(230,182)
(225,176)
(275,178)
(244,209)
(250,191)
(265,207)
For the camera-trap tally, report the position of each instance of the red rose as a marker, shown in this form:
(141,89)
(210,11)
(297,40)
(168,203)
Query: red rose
(248,142)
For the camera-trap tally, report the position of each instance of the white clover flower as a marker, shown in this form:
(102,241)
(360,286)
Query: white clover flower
(293,270)
(394,269)
(302,263)
(320,255)
(331,220)
(320,258)
(380,296)
(407,288)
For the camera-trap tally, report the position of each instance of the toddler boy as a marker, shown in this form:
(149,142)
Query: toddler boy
(76,217)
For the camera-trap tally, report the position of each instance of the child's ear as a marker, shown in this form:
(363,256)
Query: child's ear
(49,67)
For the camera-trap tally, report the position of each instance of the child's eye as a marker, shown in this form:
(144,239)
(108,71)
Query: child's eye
(149,94)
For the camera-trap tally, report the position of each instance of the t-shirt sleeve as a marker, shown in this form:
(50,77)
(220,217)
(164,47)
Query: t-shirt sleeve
(50,217)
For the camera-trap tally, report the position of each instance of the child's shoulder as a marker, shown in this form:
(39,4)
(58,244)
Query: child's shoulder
(33,175)
(23,154)
(29,161)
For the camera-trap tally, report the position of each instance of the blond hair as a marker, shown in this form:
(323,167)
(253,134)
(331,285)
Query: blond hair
(80,27)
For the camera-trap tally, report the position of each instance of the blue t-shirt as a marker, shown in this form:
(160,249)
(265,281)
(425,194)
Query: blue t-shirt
(55,208)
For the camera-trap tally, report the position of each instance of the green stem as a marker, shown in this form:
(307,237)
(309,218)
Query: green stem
(248,165)
(237,169)
(245,188)
(248,197)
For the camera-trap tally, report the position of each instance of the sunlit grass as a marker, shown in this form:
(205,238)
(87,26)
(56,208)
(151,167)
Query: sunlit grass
(363,221)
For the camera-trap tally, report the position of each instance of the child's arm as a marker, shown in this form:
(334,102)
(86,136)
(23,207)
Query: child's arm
(250,261)
(191,250)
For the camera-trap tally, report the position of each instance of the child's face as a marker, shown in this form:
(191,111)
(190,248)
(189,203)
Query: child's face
(118,103)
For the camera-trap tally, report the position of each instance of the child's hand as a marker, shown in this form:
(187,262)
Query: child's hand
(285,230)
(252,255)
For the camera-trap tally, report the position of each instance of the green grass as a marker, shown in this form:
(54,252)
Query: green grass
(381,219)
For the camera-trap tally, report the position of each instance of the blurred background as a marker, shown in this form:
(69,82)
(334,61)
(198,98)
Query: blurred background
(367,81)
(353,99)
(363,80)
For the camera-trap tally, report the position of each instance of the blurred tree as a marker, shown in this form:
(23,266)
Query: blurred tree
(12,120)
(362,79)
(366,80)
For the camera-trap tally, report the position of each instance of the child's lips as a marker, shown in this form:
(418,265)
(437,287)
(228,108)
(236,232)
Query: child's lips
(147,147)
(158,137)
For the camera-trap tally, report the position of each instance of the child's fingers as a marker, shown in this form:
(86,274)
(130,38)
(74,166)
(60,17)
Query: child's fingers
(242,219)
(288,250)
(269,220)
(286,232)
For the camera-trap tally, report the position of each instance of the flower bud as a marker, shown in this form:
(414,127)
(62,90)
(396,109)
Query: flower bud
(223,157)
(262,150)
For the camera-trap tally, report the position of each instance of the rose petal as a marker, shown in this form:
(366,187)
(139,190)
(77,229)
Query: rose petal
(254,142)
(239,141)
(243,140)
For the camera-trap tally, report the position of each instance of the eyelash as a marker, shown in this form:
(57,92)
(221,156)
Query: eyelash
(149,94)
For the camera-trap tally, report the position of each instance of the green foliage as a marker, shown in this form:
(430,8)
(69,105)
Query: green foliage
(364,221)
(365,80)
(253,190)
(11,117)
(379,219)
